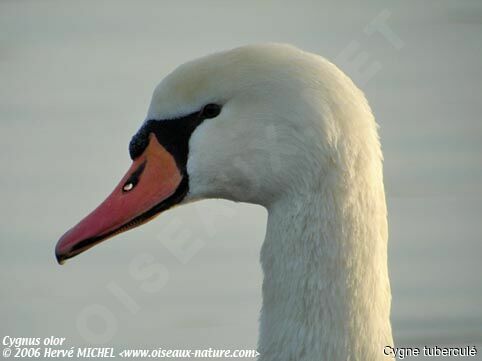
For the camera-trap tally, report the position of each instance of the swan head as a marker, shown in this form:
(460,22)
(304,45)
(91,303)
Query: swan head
(250,125)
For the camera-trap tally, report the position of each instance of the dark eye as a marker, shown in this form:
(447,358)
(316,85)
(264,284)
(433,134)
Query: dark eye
(210,111)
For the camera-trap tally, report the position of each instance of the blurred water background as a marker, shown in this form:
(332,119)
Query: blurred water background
(75,82)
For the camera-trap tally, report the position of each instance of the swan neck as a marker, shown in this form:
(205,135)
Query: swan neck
(326,292)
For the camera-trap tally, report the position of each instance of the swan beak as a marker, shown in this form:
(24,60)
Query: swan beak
(152,184)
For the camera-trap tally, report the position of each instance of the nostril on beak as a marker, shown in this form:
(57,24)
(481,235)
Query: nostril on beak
(134,178)
(127,187)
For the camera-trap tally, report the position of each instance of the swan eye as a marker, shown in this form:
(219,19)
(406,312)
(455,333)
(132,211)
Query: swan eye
(210,111)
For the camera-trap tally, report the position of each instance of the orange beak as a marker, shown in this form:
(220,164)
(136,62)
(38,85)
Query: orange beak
(152,184)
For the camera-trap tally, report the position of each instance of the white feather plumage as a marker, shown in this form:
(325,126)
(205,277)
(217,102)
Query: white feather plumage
(298,137)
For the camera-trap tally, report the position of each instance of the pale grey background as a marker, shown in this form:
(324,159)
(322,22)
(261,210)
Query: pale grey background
(75,82)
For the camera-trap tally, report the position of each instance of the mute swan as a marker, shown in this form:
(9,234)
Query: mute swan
(276,126)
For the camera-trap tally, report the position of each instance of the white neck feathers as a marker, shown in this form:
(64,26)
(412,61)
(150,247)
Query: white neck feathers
(326,292)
